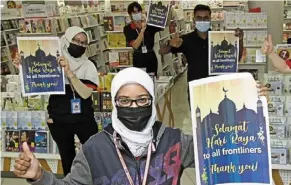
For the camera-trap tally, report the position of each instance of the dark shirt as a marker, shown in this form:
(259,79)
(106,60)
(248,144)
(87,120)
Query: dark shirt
(59,108)
(195,50)
(131,33)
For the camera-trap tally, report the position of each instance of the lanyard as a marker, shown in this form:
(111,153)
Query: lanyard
(150,149)
(142,38)
(73,90)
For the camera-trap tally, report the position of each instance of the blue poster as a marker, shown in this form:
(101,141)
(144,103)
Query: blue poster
(158,13)
(230,129)
(223,52)
(40,71)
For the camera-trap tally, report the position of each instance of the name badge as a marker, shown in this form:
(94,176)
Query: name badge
(76,106)
(144,49)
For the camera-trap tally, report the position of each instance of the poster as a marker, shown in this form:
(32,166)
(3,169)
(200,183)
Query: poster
(40,72)
(158,13)
(230,130)
(223,52)
(284,51)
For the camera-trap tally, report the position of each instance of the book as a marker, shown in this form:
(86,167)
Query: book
(116,40)
(24,120)
(27,136)
(113,59)
(108,23)
(124,58)
(96,101)
(41,142)
(38,120)
(106,102)
(106,119)
(11,120)
(12,141)
(119,23)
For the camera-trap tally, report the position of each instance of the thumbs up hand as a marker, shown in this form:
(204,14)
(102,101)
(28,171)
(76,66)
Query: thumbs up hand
(176,41)
(27,166)
(267,47)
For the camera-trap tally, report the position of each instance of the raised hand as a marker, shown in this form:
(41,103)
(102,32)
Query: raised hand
(176,41)
(27,166)
(17,60)
(239,33)
(268,47)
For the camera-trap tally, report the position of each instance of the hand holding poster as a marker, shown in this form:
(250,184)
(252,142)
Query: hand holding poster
(40,71)
(230,130)
(223,52)
(158,13)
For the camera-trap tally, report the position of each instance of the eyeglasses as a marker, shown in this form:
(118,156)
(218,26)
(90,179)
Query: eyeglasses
(80,43)
(140,102)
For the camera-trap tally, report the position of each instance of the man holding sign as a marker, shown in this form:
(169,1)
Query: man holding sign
(141,38)
(194,45)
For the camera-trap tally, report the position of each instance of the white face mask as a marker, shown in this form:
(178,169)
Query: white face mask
(202,26)
(136,16)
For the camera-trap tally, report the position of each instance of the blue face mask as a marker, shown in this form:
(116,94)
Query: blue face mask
(202,26)
(136,16)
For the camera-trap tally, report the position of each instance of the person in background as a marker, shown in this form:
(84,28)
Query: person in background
(81,79)
(281,63)
(121,154)
(194,45)
(141,38)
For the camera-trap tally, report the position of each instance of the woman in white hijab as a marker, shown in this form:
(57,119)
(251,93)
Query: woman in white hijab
(135,149)
(81,79)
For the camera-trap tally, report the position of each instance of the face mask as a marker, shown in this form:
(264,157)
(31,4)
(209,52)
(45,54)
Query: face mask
(135,119)
(136,16)
(75,50)
(202,26)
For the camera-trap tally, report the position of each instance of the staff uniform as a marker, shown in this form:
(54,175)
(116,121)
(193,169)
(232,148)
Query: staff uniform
(65,124)
(143,60)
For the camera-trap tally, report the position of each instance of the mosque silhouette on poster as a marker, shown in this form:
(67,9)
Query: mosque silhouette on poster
(230,116)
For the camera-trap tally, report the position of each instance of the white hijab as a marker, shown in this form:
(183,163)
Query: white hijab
(136,141)
(81,67)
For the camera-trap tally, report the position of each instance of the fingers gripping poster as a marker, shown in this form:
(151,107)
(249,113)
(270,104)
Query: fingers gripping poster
(40,71)
(230,130)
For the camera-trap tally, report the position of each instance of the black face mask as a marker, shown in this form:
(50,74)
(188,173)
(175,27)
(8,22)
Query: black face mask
(75,50)
(134,118)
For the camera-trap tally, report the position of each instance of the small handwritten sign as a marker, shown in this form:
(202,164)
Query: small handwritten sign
(223,52)
(230,130)
(158,13)
(40,72)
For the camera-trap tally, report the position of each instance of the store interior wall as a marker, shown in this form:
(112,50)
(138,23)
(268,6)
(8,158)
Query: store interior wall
(275,10)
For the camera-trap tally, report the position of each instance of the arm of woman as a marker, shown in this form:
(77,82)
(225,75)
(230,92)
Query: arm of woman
(82,89)
(137,42)
(279,63)
(130,38)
